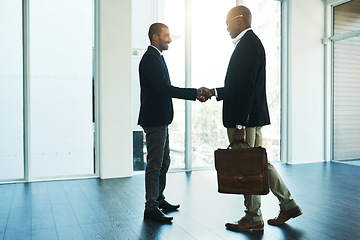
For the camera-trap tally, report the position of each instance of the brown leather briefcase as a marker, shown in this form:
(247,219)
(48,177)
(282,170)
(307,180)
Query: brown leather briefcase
(242,171)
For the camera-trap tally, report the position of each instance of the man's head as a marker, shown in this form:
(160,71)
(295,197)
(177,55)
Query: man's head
(159,36)
(237,20)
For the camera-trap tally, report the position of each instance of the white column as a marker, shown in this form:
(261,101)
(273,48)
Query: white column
(306,82)
(115,89)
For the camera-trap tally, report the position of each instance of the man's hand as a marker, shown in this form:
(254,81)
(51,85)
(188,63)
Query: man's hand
(239,135)
(204,94)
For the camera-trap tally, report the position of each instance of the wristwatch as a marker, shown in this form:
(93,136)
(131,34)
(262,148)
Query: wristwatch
(240,127)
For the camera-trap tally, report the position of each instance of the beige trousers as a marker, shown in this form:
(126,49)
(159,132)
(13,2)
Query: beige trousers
(277,186)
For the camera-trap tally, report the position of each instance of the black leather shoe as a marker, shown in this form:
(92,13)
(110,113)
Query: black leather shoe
(157,215)
(167,206)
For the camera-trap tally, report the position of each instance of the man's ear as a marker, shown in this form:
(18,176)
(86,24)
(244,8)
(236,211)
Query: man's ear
(155,37)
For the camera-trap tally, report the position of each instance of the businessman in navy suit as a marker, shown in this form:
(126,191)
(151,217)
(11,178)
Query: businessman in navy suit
(156,113)
(245,112)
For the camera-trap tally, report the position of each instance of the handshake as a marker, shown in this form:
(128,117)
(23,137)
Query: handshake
(204,94)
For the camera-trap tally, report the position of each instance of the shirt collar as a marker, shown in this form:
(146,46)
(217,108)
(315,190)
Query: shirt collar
(238,37)
(156,49)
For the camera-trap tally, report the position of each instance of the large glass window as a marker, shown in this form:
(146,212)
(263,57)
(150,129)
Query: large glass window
(211,48)
(173,15)
(61,78)
(266,23)
(143,15)
(211,51)
(11,91)
(210,54)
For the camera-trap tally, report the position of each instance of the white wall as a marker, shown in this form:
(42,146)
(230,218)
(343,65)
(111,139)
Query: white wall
(115,89)
(306,81)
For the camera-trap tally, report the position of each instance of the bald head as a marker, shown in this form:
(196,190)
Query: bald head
(241,10)
(237,20)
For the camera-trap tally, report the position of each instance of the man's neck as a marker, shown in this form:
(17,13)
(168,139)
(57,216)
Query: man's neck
(239,36)
(157,48)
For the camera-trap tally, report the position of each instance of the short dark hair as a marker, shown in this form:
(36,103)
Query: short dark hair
(156,28)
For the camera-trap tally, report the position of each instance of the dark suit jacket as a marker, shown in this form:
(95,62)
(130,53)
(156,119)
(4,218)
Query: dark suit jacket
(244,93)
(156,95)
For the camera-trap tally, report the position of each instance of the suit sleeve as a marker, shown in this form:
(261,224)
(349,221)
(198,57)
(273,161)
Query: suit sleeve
(156,73)
(248,70)
(221,93)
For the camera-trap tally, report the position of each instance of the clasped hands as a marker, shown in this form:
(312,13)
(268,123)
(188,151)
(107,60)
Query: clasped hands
(204,94)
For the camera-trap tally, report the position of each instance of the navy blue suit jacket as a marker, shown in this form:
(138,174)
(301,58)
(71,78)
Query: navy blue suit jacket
(156,94)
(244,93)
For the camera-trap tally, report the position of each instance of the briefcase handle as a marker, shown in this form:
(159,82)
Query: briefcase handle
(237,141)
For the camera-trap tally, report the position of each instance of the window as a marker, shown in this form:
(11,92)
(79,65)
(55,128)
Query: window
(61,78)
(208,33)
(346,84)
(143,15)
(54,96)
(11,91)
(267,25)
(208,132)
(173,15)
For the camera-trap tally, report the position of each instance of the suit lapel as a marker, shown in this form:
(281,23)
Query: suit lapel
(236,51)
(162,60)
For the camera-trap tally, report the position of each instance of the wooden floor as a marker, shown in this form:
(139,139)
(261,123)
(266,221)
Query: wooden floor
(328,193)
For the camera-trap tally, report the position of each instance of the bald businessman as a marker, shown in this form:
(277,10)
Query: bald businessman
(245,111)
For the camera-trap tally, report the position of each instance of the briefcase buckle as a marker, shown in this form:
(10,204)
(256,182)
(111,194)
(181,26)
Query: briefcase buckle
(240,177)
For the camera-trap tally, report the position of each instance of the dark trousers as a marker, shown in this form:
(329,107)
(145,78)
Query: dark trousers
(158,162)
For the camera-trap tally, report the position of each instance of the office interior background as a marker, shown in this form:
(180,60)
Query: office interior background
(70,93)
